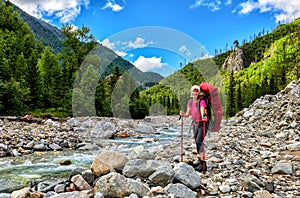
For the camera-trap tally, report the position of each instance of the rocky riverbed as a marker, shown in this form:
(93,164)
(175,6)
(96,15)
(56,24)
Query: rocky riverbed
(255,154)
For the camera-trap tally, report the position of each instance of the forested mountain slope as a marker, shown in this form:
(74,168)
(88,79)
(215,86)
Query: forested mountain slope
(51,36)
(35,79)
(48,34)
(267,64)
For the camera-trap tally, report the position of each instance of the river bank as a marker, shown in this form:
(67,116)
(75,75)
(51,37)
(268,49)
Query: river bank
(255,154)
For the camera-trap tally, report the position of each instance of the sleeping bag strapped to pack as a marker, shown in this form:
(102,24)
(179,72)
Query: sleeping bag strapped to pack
(215,105)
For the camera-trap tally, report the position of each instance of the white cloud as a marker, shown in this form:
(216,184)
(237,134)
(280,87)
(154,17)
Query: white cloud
(113,5)
(284,11)
(184,50)
(138,43)
(205,56)
(228,2)
(248,7)
(108,44)
(65,11)
(121,53)
(111,46)
(68,14)
(146,64)
(213,5)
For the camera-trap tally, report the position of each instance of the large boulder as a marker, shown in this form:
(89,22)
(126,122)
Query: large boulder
(116,185)
(104,130)
(108,161)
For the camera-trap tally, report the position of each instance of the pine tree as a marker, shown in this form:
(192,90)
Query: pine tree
(49,75)
(230,109)
(17,44)
(33,81)
(77,44)
(83,99)
(102,100)
(239,100)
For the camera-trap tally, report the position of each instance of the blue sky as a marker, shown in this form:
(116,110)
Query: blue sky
(161,35)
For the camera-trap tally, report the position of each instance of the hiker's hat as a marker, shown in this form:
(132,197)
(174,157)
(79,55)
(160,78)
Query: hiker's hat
(195,87)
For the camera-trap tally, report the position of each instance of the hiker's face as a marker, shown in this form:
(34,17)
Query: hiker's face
(195,93)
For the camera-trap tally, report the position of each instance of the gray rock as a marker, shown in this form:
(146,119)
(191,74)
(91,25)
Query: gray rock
(144,128)
(252,183)
(162,176)
(187,175)
(283,168)
(140,152)
(75,194)
(225,188)
(180,191)
(104,130)
(141,168)
(116,185)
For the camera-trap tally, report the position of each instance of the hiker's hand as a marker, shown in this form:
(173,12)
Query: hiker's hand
(204,119)
(182,113)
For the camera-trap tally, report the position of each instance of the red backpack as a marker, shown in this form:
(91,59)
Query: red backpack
(214,107)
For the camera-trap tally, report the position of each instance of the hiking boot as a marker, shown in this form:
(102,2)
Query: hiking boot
(197,162)
(202,166)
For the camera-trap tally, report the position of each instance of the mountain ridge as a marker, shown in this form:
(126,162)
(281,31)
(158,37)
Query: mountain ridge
(48,34)
(51,36)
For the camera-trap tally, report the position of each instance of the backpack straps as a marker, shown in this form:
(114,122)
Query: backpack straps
(197,104)
(206,102)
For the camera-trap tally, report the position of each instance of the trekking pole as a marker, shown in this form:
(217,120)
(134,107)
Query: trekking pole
(181,141)
(204,135)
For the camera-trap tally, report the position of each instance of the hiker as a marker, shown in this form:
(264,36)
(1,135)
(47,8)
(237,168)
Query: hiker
(199,117)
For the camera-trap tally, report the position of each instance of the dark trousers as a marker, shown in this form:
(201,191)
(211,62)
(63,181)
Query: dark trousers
(199,136)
